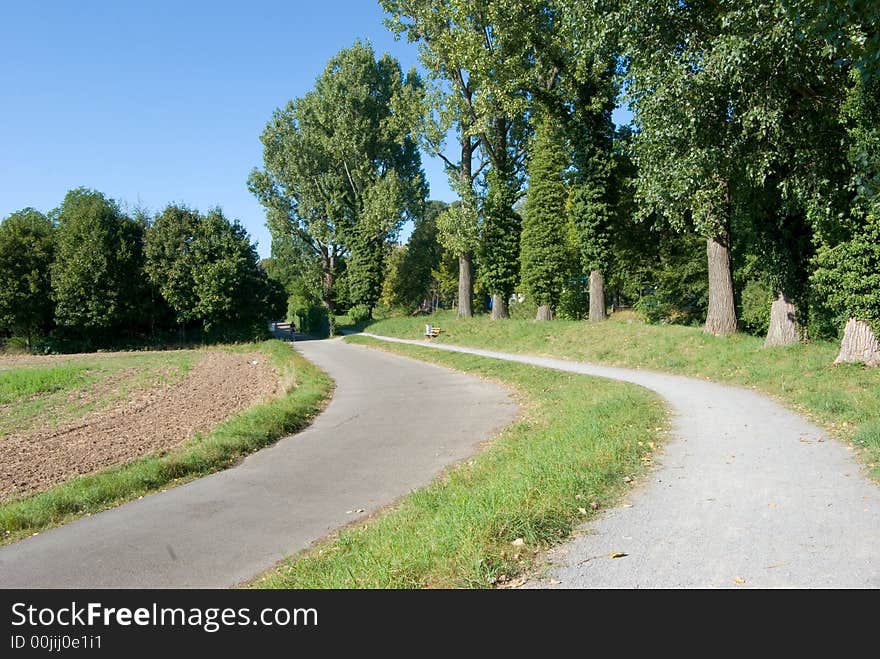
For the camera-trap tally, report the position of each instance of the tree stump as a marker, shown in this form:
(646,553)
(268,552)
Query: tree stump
(544,313)
(859,344)
(784,329)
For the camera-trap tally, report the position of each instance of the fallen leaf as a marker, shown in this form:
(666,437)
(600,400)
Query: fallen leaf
(627,479)
(594,505)
(555,582)
(617,554)
(739,580)
(519,542)
(582,511)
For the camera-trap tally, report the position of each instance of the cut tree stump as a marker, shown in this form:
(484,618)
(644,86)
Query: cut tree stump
(859,344)
(783,330)
(544,313)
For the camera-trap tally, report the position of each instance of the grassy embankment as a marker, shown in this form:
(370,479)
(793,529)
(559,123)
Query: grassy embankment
(482,522)
(245,432)
(845,399)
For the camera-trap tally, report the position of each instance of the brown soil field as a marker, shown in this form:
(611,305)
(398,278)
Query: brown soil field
(149,421)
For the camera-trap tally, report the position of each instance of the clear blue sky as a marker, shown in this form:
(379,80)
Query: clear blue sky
(163,101)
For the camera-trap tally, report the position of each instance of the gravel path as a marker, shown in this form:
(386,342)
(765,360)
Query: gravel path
(745,494)
(393,424)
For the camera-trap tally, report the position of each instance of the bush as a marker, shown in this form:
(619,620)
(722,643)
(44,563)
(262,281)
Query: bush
(755,314)
(360,314)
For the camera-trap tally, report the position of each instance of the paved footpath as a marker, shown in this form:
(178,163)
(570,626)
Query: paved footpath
(392,425)
(745,494)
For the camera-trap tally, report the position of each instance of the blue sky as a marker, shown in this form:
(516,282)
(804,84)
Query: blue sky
(163,101)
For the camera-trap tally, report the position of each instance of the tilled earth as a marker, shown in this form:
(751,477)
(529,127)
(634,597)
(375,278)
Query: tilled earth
(148,422)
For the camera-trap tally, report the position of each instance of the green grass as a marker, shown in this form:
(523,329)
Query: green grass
(844,398)
(65,391)
(243,433)
(22,383)
(576,440)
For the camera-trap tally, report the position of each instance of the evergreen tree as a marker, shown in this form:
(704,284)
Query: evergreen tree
(500,236)
(542,250)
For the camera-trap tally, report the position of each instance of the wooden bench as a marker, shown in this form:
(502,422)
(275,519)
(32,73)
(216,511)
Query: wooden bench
(432,331)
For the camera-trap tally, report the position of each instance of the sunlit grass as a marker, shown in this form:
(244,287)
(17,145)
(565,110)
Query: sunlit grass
(482,522)
(844,398)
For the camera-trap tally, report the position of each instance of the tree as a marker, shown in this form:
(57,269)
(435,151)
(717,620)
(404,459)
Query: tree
(542,242)
(27,246)
(500,235)
(475,55)
(170,260)
(96,280)
(208,271)
(727,97)
(409,281)
(342,169)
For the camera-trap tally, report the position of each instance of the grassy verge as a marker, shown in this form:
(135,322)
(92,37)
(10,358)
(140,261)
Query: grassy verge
(483,521)
(243,433)
(845,398)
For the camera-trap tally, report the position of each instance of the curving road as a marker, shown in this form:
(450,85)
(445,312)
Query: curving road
(746,494)
(392,425)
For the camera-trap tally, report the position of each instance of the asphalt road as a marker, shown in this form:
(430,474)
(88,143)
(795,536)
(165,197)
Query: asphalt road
(393,424)
(745,494)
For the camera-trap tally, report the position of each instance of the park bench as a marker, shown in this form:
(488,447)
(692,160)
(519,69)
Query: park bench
(432,331)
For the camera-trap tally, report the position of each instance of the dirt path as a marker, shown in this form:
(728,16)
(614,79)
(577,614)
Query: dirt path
(392,426)
(746,494)
(150,421)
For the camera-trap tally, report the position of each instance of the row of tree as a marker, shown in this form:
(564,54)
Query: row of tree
(89,274)
(755,130)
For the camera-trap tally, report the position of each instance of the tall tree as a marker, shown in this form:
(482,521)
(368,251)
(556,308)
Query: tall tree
(474,54)
(726,96)
(342,168)
(27,245)
(543,229)
(95,277)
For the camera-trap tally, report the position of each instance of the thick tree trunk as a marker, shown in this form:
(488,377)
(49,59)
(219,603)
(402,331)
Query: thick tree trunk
(859,344)
(465,285)
(499,307)
(784,329)
(544,313)
(721,318)
(597,296)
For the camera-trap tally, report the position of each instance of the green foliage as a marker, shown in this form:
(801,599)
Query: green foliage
(847,275)
(342,170)
(99,254)
(543,255)
(755,302)
(677,287)
(208,271)
(27,245)
(498,262)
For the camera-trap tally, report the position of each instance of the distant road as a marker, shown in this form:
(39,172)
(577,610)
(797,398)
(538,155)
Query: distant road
(393,424)
(746,494)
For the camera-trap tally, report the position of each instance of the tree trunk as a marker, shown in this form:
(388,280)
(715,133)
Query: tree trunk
(544,313)
(859,344)
(784,329)
(465,286)
(499,307)
(597,296)
(721,318)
